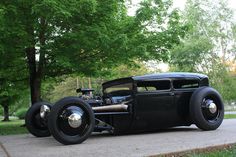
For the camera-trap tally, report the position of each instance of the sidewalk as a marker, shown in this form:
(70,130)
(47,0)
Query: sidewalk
(100,145)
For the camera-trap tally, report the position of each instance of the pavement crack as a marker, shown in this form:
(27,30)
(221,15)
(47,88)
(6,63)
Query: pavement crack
(5,150)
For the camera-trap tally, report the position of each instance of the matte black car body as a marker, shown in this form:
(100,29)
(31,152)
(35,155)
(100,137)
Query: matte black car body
(155,109)
(131,104)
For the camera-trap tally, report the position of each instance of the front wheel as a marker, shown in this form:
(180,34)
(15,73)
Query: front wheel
(71,120)
(36,120)
(207,108)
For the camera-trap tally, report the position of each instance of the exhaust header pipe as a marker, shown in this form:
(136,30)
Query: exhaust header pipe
(111,108)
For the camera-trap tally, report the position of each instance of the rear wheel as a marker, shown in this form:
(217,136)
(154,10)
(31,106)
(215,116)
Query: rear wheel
(36,124)
(71,120)
(207,108)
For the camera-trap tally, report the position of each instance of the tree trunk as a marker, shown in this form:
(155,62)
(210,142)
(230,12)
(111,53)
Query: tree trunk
(36,68)
(35,89)
(30,52)
(6,113)
(34,80)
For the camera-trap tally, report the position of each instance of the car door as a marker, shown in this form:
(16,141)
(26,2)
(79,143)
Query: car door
(154,104)
(183,90)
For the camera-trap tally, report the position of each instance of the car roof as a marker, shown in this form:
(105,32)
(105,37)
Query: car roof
(169,75)
(156,76)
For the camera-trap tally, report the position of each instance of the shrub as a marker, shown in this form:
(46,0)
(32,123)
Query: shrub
(21,113)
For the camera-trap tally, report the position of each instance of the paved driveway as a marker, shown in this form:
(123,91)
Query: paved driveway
(230,112)
(171,140)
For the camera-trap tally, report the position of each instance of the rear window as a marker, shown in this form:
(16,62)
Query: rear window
(149,86)
(183,84)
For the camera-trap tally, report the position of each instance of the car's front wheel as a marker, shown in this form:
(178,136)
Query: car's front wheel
(71,120)
(207,108)
(36,119)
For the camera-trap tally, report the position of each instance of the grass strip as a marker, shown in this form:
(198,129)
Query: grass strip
(230,116)
(12,127)
(226,150)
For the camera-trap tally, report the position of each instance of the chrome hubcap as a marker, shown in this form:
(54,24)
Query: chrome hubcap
(75,120)
(44,109)
(212,108)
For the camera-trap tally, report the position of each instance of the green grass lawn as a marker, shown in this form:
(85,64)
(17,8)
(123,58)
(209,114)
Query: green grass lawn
(226,152)
(12,127)
(230,116)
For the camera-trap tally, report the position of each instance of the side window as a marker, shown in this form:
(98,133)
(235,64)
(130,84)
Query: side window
(183,84)
(149,86)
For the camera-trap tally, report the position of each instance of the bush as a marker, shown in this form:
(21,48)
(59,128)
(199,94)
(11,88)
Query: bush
(21,113)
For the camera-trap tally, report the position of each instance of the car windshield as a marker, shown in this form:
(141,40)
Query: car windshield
(121,89)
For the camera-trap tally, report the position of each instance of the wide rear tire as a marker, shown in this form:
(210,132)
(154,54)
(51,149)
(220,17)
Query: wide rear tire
(206,108)
(34,123)
(71,120)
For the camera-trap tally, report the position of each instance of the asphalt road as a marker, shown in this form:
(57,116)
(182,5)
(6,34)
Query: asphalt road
(171,140)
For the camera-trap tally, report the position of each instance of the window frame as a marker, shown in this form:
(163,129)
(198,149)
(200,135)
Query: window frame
(155,91)
(179,79)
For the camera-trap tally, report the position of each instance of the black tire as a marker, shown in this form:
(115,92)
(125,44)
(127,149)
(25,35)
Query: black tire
(201,114)
(35,125)
(58,121)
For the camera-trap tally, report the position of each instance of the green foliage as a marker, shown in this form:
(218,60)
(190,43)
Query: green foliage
(20,113)
(88,36)
(225,84)
(12,127)
(13,70)
(226,152)
(67,85)
(52,38)
(230,116)
(125,70)
(190,54)
(205,47)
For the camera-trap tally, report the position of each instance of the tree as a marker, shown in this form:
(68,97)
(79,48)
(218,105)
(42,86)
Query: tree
(13,80)
(67,85)
(208,44)
(10,92)
(58,37)
(214,20)
(13,69)
(191,55)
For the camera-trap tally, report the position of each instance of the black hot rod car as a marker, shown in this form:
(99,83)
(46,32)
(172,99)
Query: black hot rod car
(128,105)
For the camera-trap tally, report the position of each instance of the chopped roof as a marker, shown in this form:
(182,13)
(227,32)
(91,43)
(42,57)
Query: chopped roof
(169,75)
(158,76)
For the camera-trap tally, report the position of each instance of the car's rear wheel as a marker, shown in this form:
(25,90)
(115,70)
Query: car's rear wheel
(71,120)
(36,119)
(207,108)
